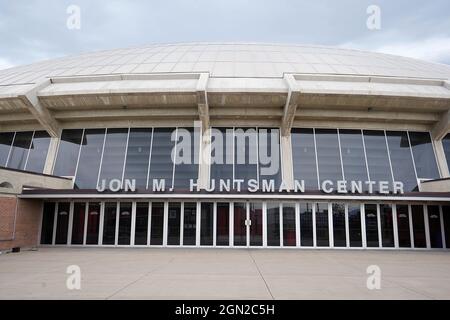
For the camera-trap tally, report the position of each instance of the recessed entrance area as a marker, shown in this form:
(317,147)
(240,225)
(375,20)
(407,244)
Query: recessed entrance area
(246,224)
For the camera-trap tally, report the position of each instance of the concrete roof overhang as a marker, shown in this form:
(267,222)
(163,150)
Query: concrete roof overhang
(294,100)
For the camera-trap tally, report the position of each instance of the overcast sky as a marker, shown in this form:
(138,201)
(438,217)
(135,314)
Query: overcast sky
(32,30)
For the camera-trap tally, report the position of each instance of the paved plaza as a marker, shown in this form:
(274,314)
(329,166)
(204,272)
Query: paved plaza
(143,273)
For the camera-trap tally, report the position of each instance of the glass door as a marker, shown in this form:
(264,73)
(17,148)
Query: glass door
(255,224)
(240,224)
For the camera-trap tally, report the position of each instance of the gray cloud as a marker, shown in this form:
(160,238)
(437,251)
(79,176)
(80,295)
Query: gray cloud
(33,30)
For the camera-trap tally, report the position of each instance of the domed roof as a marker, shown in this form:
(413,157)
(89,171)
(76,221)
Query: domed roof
(239,60)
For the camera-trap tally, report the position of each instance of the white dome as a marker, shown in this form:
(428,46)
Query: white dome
(231,60)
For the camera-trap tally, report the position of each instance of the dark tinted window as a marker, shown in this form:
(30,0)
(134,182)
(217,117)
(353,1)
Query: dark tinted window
(93,223)
(269,155)
(62,223)
(273,224)
(113,155)
(418,226)
(48,217)
(19,150)
(109,223)
(141,229)
(221,154)
(404,235)
(328,155)
(434,223)
(401,159)
(157,221)
(68,150)
(89,164)
(371,225)
(38,152)
(240,229)
(245,154)
(173,224)
(304,157)
(424,158)
(387,227)
(161,164)
(322,228)
(206,224)
(189,223)
(353,157)
(223,224)
(377,156)
(124,223)
(289,234)
(6,139)
(354,225)
(79,209)
(138,155)
(339,231)
(306,225)
(445,144)
(186,158)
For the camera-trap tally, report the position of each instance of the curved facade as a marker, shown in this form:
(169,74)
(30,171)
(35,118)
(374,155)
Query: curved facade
(222,144)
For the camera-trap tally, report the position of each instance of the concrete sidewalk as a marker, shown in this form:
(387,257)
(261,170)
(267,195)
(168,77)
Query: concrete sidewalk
(132,273)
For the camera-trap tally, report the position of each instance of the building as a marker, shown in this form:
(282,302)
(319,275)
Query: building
(226,145)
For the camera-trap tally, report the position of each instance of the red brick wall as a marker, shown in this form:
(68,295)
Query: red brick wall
(28,221)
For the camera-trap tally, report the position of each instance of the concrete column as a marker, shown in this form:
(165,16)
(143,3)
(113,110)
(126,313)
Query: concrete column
(204,161)
(441,159)
(287,166)
(51,155)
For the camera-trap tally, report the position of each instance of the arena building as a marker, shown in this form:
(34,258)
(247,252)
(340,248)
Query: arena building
(226,145)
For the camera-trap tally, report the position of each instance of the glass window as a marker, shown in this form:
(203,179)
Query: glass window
(353,158)
(62,223)
(273,224)
(48,217)
(68,150)
(377,156)
(245,154)
(206,227)
(240,229)
(401,159)
(19,150)
(328,155)
(93,223)
(387,227)
(256,225)
(223,224)
(404,235)
(370,215)
(187,158)
(446,218)
(38,152)
(138,155)
(173,221)
(304,157)
(6,139)
(221,154)
(424,157)
(289,234)
(90,156)
(306,225)
(418,226)
(189,222)
(269,155)
(79,210)
(434,223)
(445,144)
(124,223)
(339,231)
(157,220)
(322,228)
(109,223)
(354,225)
(141,229)
(161,164)
(113,155)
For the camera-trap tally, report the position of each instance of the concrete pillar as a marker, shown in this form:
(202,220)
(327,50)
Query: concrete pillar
(51,155)
(286,162)
(441,159)
(204,161)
